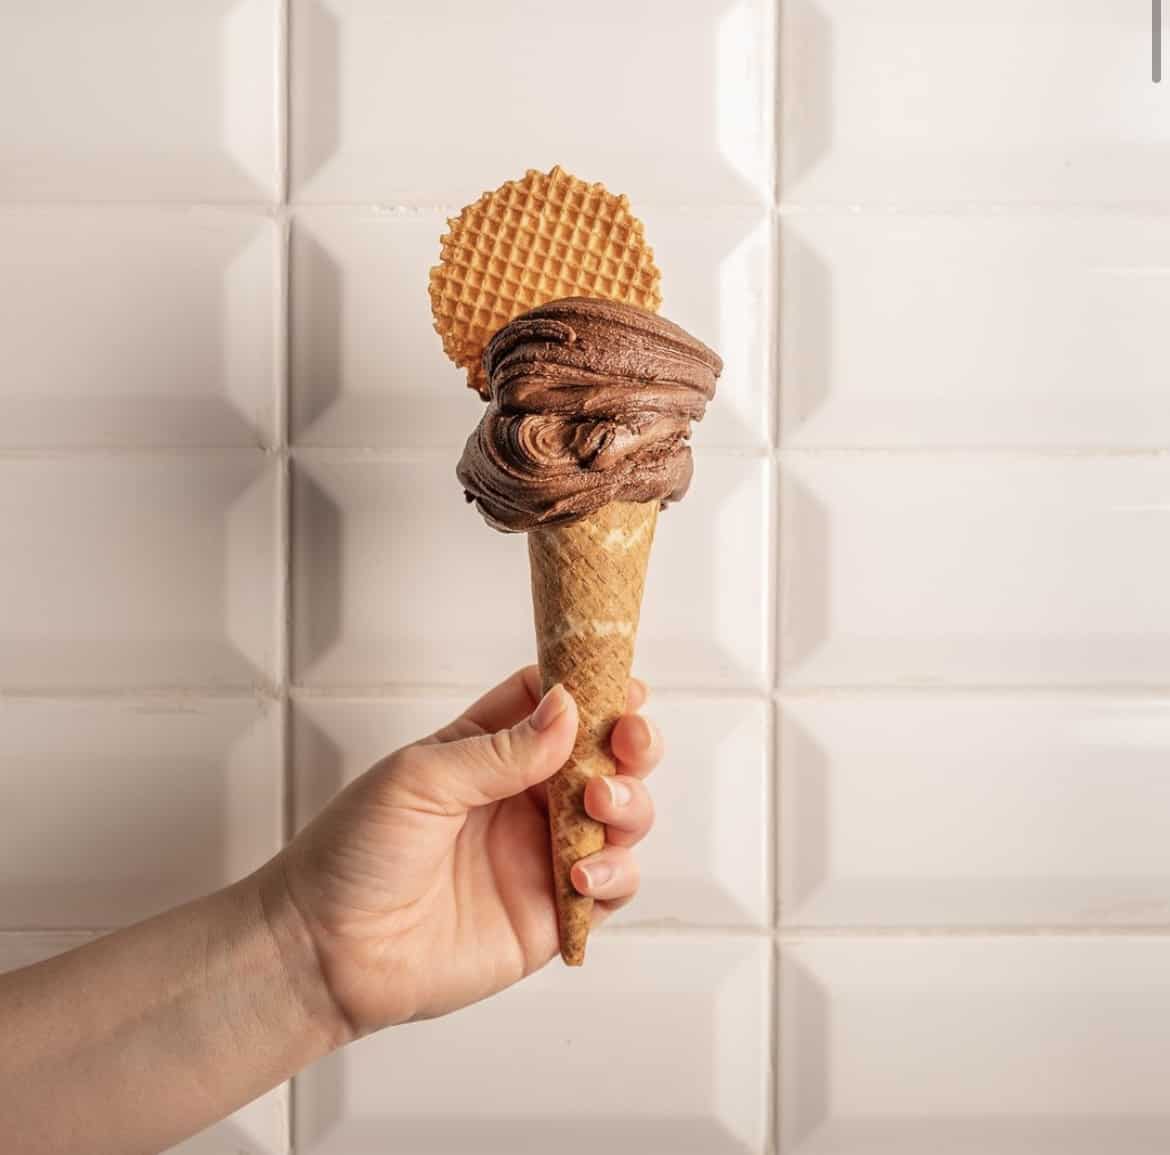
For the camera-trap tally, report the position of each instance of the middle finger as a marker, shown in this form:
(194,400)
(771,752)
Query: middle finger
(623,804)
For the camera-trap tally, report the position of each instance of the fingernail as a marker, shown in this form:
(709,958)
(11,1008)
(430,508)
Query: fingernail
(619,791)
(551,707)
(597,874)
(645,734)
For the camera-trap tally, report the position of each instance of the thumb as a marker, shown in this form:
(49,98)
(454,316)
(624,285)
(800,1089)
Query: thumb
(471,772)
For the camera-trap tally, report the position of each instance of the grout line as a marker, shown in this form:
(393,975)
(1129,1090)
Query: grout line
(994,690)
(283,101)
(796,934)
(934,454)
(458,692)
(158,695)
(775,1055)
(132,452)
(284,510)
(976,209)
(420,208)
(785,936)
(950,453)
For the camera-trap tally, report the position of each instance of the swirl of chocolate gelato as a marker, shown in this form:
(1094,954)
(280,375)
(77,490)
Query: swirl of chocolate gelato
(590,401)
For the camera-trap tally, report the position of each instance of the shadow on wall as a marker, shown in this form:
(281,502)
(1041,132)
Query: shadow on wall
(804,772)
(319,584)
(806,71)
(317,307)
(317,113)
(806,361)
(805,1031)
(318,769)
(805,544)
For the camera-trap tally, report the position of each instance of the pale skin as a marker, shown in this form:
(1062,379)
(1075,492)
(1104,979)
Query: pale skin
(424,886)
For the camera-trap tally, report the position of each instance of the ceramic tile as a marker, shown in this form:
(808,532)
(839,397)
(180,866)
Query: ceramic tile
(681,112)
(716,283)
(917,101)
(982,571)
(139,571)
(658,1046)
(127,809)
(989,810)
(974,330)
(396,580)
(1036,1046)
(260,1128)
(132,100)
(707,859)
(368,369)
(137,327)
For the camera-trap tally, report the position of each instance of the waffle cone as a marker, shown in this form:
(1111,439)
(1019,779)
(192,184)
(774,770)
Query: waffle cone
(587,580)
(533,240)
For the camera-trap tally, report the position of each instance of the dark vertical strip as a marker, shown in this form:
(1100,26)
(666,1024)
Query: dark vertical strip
(1157,46)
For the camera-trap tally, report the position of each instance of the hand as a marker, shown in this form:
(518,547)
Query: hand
(426,884)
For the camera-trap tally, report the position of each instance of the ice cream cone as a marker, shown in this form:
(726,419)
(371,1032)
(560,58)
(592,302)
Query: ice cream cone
(587,580)
(612,418)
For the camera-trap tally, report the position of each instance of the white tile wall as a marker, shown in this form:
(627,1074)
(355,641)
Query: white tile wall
(138,571)
(671,104)
(916,101)
(105,345)
(969,810)
(131,100)
(568,1061)
(976,570)
(200,779)
(927,531)
(976,1045)
(917,330)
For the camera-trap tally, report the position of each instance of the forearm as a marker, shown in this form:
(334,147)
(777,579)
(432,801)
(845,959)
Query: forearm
(141,1038)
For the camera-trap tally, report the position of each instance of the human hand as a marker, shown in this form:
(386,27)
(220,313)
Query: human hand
(426,884)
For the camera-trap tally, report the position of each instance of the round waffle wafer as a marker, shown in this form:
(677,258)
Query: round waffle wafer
(534,240)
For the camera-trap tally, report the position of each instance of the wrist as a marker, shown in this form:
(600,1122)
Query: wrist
(298,958)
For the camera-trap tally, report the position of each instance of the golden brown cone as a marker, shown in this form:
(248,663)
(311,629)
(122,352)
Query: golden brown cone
(587,580)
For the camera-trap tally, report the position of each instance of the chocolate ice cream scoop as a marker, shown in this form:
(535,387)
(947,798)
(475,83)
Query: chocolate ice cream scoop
(590,401)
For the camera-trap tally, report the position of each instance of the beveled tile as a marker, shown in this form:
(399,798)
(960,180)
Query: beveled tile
(683,115)
(137,327)
(368,368)
(975,571)
(142,571)
(136,101)
(1019,1046)
(128,808)
(913,330)
(988,810)
(916,101)
(549,1064)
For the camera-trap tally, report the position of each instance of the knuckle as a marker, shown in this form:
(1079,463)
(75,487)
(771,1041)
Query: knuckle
(502,747)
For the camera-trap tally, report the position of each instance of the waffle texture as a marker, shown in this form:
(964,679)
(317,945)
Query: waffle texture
(587,580)
(546,236)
